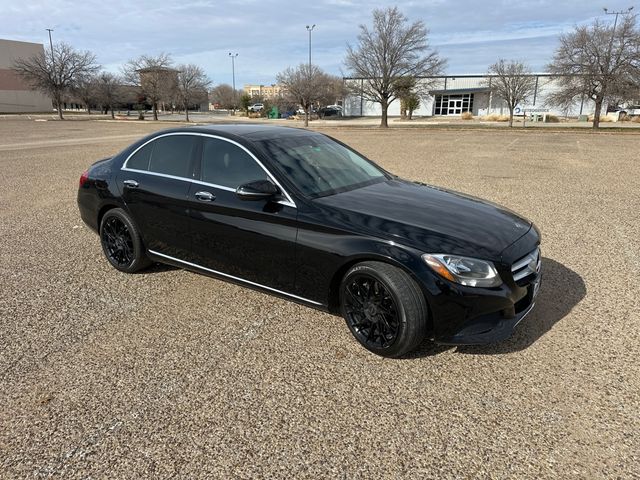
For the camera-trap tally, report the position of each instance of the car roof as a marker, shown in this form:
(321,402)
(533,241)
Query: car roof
(248,131)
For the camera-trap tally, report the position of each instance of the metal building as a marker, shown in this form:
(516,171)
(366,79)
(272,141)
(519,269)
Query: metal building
(15,94)
(454,94)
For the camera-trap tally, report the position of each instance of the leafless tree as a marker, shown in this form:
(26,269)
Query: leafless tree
(512,82)
(56,72)
(305,84)
(85,90)
(108,88)
(155,76)
(224,96)
(392,49)
(192,84)
(597,61)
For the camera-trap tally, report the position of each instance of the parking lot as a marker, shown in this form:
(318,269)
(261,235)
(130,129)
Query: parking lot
(169,374)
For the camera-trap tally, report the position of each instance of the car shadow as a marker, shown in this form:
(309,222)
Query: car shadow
(561,290)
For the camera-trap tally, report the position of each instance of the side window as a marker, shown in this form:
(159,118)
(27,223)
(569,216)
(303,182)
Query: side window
(226,164)
(171,155)
(140,159)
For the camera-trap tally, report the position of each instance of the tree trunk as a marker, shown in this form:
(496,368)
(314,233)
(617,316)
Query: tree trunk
(59,107)
(88,109)
(186,113)
(306,116)
(403,110)
(113,115)
(383,121)
(596,114)
(511,118)
(155,111)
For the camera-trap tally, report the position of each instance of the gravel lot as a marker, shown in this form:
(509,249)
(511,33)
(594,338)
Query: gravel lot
(169,374)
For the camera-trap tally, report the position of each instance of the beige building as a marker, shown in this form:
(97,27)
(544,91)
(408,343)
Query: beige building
(264,91)
(15,94)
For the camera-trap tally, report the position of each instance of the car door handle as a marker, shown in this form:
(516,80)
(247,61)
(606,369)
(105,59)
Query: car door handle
(131,183)
(205,196)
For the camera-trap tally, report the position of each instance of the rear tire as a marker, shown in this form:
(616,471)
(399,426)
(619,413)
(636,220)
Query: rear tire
(384,308)
(121,242)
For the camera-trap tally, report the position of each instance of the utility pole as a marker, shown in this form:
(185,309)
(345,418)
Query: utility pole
(233,74)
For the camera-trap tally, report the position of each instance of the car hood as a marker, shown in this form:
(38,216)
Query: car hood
(429,218)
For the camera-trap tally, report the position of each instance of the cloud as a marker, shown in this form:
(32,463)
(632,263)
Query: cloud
(271,35)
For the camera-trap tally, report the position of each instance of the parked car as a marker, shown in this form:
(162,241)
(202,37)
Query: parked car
(300,215)
(256,107)
(330,111)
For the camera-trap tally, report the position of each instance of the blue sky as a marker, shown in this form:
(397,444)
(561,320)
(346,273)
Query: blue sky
(270,35)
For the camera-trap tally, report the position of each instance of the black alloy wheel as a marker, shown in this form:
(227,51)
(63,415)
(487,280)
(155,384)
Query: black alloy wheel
(121,242)
(371,311)
(384,308)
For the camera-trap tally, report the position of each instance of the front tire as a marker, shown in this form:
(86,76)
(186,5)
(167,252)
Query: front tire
(384,308)
(121,242)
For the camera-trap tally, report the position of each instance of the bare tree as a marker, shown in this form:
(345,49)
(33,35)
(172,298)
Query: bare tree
(192,82)
(108,88)
(599,62)
(512,82)
(85,90)
(56,72)
(224,96)
(155,77)
(305,84)
(391,50)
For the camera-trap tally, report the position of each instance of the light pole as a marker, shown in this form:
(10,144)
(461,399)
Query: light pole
(233,75)
(615,24)
(310,29)
(53,61)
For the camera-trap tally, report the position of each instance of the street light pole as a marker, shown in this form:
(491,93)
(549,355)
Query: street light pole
(233,74)
(53,61)
(310,29)
(615,24)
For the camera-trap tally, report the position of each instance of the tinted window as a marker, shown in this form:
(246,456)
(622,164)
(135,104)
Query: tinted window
(140,159)
(226,164)
(320,166)
(171,155)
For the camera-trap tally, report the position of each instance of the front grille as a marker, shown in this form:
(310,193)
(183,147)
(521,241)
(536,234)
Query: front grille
(526,267)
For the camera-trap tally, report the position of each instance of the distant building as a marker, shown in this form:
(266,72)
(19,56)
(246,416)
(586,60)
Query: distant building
(452,95)
(264,91)
(16,95)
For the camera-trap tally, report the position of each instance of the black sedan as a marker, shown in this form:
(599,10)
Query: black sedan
(300,215)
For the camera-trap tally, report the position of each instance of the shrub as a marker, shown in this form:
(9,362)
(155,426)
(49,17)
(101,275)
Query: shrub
(552,119)
(466,116)
(494,117)
(636,119)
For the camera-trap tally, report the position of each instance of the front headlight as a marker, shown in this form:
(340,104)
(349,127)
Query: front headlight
(464,270)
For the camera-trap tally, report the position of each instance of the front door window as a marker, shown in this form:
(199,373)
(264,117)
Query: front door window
(453,104)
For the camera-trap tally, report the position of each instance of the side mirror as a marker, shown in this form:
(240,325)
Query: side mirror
(257,190)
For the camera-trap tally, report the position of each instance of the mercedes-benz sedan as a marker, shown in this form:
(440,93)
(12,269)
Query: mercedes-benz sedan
(300,215)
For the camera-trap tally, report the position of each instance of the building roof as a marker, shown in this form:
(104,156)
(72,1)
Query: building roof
(458,91)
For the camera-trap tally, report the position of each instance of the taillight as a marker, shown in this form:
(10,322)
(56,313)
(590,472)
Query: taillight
(84,177)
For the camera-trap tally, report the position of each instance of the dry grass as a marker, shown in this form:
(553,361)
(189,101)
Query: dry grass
(552,119)
(494,117)
(636,119)
(466,116)
(603,119)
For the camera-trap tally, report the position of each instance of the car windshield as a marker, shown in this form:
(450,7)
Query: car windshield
(319,166)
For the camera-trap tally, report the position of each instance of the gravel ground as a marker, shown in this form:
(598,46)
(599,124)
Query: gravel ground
(169,374)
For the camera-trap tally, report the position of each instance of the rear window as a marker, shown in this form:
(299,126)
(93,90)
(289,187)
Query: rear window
(171,155)
(140,159)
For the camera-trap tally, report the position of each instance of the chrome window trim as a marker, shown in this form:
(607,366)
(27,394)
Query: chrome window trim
(195,265)
(288,200)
